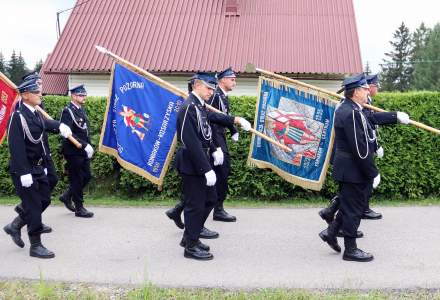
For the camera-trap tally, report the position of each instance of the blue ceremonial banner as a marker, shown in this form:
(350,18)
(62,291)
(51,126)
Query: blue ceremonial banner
(300,118)
(140,123)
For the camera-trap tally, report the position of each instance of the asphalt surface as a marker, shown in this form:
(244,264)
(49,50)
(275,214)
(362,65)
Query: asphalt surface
(267,247)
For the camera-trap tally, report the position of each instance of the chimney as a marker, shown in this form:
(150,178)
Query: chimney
(232,8)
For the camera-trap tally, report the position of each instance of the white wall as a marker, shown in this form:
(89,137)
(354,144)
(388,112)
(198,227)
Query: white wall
(98,85)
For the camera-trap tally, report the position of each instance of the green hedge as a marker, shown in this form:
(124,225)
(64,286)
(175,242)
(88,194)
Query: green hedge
(409,169)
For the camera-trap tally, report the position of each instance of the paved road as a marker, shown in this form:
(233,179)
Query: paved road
(266,248)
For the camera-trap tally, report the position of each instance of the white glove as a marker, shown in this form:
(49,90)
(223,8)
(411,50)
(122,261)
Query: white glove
(245,125)
(26,180)
(65,130)
(379,152)
(218,157)
(89,151)
(45,171)
(403,117)
(235,136)
(210,178)
(376,181)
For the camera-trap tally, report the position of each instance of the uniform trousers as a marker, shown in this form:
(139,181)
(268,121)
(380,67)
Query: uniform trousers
(353,202)
(78,168)
(34,199)
(199,200)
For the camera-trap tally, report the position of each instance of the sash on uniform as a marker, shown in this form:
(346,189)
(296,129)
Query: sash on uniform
(301,119)
(8,97)
(140,124)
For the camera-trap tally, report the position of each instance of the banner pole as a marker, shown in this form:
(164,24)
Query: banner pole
(45,114)
(48,117)
(251,68)
(180,92)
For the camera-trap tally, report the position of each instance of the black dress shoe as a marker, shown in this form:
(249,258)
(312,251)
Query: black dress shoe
(223,216)
(208,234)
(328,213)
(359,234)
(331,241)
(174,214)
(45,229)
(199,244)
(197,253)
(15,234)
(83,213)
(37,249)
(357,255)
(67,201)
(371,215)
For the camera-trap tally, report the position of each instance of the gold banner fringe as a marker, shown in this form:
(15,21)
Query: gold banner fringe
(127,165)
(315,185)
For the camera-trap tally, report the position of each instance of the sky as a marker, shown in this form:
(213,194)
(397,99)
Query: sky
(30,25)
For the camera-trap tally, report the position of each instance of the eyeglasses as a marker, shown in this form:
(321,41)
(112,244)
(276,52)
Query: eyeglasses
(37,92)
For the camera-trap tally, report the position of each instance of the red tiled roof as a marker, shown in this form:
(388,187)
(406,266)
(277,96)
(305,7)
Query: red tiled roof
(283,36)
(54,84)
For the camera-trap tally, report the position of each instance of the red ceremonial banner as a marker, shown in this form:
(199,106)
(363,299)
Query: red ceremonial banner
(8,97)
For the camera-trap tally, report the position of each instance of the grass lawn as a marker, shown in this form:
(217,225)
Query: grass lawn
(52,290)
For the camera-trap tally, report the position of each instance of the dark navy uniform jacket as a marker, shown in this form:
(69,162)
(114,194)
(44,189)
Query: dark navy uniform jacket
(355,143)
(80,133)
(27,157)
(195,136)
(378,118)
(220,101)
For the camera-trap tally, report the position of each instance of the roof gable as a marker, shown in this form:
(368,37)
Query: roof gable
(284,36)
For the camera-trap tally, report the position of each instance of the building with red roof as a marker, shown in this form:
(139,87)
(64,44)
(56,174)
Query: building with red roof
(311,40)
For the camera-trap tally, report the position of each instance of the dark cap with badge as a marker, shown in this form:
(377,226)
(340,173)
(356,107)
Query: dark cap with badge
(354,82)
(228,73)
(209,79)
(30,85)
(79,90)
(372,79)
(31,75)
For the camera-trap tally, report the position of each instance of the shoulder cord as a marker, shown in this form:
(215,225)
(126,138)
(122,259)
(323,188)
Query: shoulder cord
(367,137)
(221,104)
(84,127)
(183,125)
(208,134)
(28,134)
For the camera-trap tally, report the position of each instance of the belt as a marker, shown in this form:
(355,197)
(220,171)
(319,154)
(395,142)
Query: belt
(344,154)
(37,162)
(205,150)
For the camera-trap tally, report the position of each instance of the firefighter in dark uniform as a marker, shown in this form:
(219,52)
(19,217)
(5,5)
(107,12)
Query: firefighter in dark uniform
(375,119)
(195,160)
(28,166)
(219,100)
(353,165)
(51,171)
(77,160)
(226,83)
(373,82)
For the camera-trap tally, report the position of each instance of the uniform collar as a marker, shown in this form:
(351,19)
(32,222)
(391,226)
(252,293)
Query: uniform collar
(30,107)
(223,91)
(78,107)
(355,103)
(198,98)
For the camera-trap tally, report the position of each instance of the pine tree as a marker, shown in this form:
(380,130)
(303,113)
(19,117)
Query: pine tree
(420,38)
(427,63)
(3,64)
(11,68)
(367,69)
(396,72)
(38,66)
